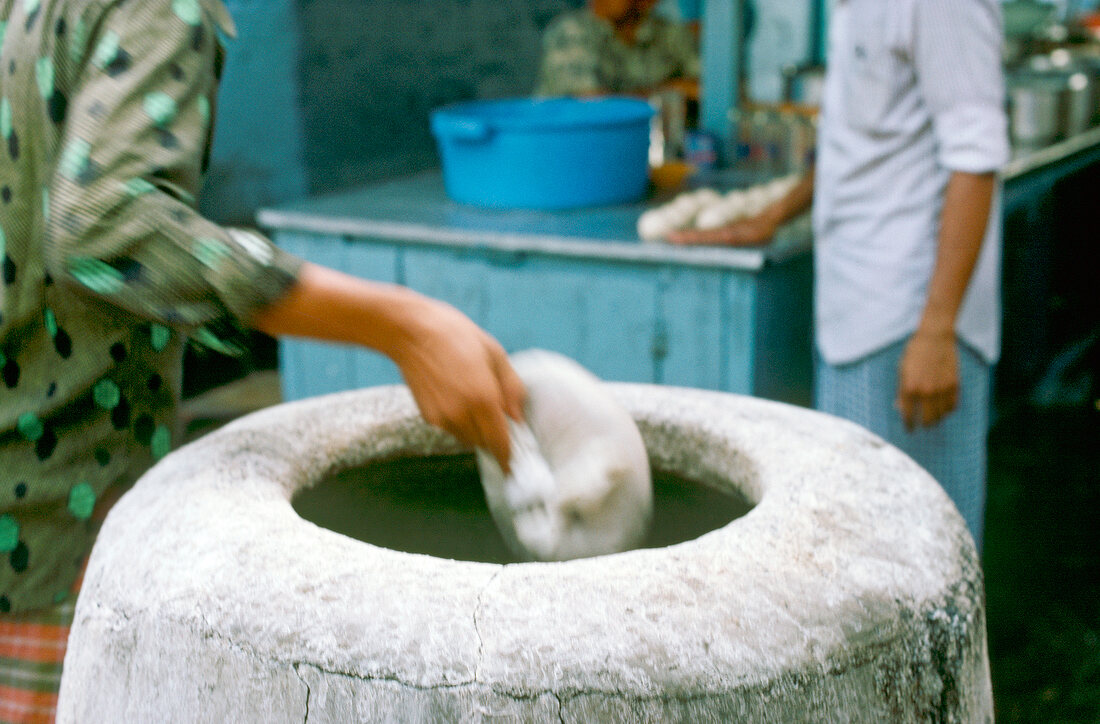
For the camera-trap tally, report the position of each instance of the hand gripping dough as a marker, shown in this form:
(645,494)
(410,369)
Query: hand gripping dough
(580,482)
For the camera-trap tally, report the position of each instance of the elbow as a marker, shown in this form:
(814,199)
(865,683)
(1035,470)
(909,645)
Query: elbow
(74,223)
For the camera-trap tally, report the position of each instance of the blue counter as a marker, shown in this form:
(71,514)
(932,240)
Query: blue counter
(579,282)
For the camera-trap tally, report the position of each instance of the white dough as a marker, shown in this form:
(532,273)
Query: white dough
(779,187)
(707,209)
(656,224)
(756,200)
(728,209)
(580,481)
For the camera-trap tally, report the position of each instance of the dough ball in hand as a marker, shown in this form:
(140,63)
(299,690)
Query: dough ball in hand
(580,482)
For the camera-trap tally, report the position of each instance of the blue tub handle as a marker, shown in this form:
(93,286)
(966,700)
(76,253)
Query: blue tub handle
(469,130)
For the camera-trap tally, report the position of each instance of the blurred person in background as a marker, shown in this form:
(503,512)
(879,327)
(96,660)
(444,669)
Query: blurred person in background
(906,235)
(618,47)
(106,114)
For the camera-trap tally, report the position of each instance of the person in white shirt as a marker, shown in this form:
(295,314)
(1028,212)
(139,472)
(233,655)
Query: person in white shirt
(906,240)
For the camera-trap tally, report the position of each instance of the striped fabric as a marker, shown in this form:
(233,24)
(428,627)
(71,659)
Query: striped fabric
(32,647)
(954,451)
(32,650)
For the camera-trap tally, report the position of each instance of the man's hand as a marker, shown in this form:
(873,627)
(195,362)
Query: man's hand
(754,231)
(928,374)
(928,379)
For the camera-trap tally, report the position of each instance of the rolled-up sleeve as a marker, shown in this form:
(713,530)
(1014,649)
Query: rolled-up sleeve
(121,218)
(957,57)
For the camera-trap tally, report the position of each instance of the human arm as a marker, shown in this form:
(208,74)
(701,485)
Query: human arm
(928,377)
(956,57)
(680,45)
(755,230)
(459,376)
(123,228)
(121,218)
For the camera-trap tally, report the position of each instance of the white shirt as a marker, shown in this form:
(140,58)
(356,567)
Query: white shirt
(914,90)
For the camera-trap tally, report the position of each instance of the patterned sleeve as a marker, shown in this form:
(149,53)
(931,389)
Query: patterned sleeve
(121,217)
(683,49)
(688,48)
(570,59)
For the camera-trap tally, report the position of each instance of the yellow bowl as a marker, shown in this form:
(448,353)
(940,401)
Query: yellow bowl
(670,176)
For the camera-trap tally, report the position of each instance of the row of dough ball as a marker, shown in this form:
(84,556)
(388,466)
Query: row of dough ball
(705,208)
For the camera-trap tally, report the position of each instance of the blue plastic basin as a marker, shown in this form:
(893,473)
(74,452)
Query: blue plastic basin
(554,153)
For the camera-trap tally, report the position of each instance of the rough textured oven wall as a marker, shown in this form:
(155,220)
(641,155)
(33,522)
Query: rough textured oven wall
(372,70)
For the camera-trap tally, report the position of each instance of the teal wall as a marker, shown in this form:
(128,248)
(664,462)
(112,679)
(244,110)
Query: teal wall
(320,95)
(258,156)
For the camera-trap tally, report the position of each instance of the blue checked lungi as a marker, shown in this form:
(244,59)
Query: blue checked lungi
(954,451)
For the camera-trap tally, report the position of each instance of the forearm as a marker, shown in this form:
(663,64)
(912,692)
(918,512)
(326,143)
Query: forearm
(963,222)
(329,305)
(458,374)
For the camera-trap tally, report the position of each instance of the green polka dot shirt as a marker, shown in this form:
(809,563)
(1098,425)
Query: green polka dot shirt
(581,54)
(106,110)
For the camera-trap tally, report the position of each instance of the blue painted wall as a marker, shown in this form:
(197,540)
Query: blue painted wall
(258,157)
(320,95)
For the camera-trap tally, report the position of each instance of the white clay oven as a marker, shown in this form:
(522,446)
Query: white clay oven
(850,591)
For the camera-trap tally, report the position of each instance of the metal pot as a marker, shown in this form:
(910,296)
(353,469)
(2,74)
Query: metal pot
(1080,103)
(1035,102)
(1047,104)
(1080,68)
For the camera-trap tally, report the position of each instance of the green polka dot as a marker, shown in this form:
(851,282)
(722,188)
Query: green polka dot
(43,71)
(30,427)
(139,186)
(51,322)
(3,30)
(3,243)
(9,533)
(204,110)
(81,501)
(97,275)
(159,336)
(160,108)
(74,159)
(106,394)
(207,338)
(79,38)
(211,251)
(60,596)
(106,50)
(5,117)
(189,11)
(161,443)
